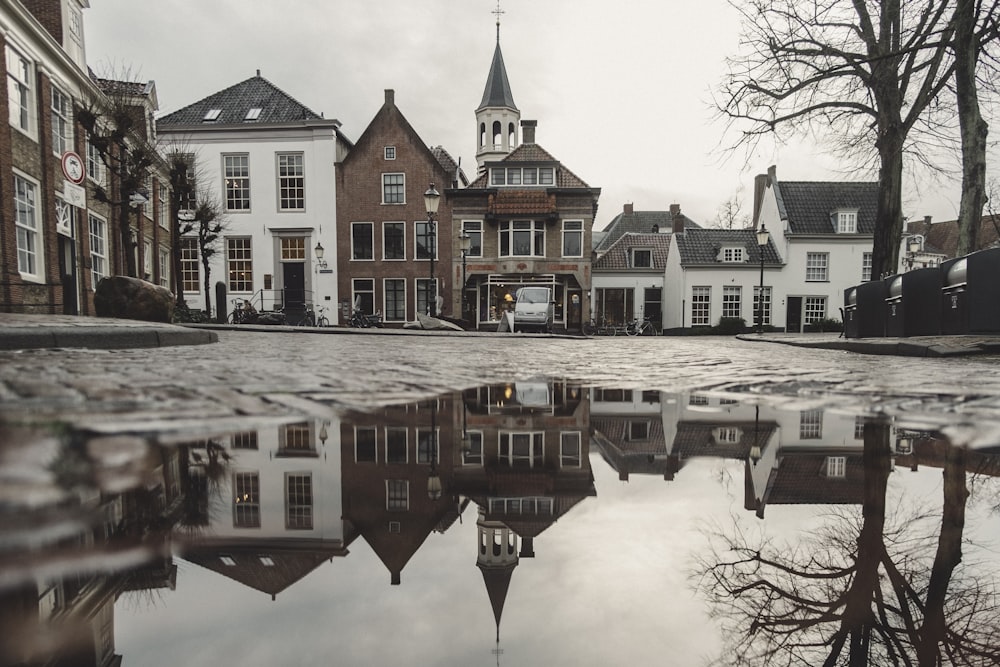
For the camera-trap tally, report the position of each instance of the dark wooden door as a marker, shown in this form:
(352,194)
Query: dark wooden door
(294,284)
(793,315)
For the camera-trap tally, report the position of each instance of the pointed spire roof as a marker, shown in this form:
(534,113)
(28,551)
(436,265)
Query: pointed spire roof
(497,579)
(497,92)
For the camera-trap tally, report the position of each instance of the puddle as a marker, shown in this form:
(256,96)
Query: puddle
(536,522)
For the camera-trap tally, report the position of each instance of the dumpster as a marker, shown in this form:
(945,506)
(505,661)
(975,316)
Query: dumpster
(913,304)
(970,295)
(864,311)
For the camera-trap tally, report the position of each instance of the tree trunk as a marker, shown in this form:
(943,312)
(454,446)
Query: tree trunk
(208,286)
(889,210)
(974,129)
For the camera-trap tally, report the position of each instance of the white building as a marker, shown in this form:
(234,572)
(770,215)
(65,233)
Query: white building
(269,162)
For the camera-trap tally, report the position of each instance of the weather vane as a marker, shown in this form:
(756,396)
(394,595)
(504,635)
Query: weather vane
(498,12)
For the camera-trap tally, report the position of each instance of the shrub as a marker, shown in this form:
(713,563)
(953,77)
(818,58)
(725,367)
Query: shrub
(729,326)
(825,324)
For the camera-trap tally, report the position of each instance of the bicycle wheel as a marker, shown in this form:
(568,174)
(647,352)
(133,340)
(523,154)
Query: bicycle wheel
(322,321)
(631,330)
(234,317)
(589,329)
(612,331)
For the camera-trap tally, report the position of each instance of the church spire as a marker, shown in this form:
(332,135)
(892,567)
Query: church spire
(497,117)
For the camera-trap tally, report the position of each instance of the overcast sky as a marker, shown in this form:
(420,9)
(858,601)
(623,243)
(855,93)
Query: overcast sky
(621,91)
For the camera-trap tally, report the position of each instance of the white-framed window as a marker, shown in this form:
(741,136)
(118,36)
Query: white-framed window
(396,444)
(211,115)
(836,466)
(252,114)
(364,444)
(362,243)
(162,203)
(26,221)
(570,450)
(728,435)
(522,450)
(641,258)
(427,446)
(293,248)
(390,153)
(394,298)
(765,315)
(733,254)
(393,188)
(866,267)
(701,301)
(859,428)
(425,240)
(473,456)
(522,238)
(291,182)
(397,495)
(572,238)
(846,221)
(474,230)
(236,171)
(732,301)
(62,122)
(817,266)
(189,264)
(393,240)
(164,267)
(815,309)
(246,500)
(522,176)
(98,248)
(298,501)
(363,294)
(239,264)
(20,99)
(810,424)
(426,291)
(95,165)
(147,259)
(244,440)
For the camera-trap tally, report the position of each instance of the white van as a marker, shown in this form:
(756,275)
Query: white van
(533,308)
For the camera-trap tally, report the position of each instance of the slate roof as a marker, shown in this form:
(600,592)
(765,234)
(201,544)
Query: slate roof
(943,236)
(698,438)
(497,92)
(616,257)
(807,205)
(701,247)
(234,102)
(642,222)
(535,154)
(449,164)
(800,480)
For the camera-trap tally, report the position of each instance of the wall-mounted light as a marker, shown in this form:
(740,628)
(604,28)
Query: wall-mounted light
(318,251)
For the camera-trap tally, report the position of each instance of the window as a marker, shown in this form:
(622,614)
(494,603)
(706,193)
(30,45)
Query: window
(474,230)
(522,450)
(239,265)
(733,255)
(427,446)
(642,258)
(362,243)
(291,182)
(697,399)
(364,444)
(394,240)
(473,456)
(246,500)
(211,115)
(390,152)
(393,189)
(243,440)
(859,428)
(570,450)
(237,175)
(701,299)
(731,300)
(572,242)
(293,248)
(298,501)
(395,445)
(397,494)
(764,314)
(522,238)
(522,176)
(98,249)
(189,264)
(364,294)
(638,430)
(163,212)
(729,435)
(426,240)
(95,165)
(836,466)
(29,238)
(866,267)
(395,300)
(253,114)
(426,292)
(62,122)
(815,309)
(816,266)
(19,97)
(846,221)
(296,437)
(810,424)
(164,268)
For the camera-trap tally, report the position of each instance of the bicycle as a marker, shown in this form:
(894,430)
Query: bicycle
(591,328)
(321,319)
(360,320)
(645,328)
(243,312)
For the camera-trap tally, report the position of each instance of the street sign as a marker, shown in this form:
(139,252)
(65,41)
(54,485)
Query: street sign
(75,194)
(72,166)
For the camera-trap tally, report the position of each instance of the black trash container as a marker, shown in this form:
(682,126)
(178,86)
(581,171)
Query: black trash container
(864,309)
(851,312)
(913,305)
(970,295)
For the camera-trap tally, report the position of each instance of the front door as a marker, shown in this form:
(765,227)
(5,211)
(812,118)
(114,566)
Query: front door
(294,284)
(574,311)
(793,315)
(67,272)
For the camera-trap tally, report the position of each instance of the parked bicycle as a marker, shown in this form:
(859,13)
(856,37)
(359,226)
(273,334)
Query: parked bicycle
(603,328)
(243,312)
(321,319)
(644,328)
(361,320)
(298,317)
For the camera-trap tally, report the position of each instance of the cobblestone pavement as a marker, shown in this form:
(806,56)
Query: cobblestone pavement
(175,392)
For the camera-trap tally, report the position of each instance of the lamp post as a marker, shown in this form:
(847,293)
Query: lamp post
(913,247)
(431,200)
(465,244)
(433,479)
(755,452)
(762,238)
(318,252)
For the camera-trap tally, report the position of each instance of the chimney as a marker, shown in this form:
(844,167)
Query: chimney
(677,219)
(759,186)
(390,97)
(627,209)
(528,131)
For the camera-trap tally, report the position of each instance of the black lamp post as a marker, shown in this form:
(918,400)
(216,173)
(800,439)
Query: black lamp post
(465,244)
(755,452)
(913,247)
(762,238)
(431,200)
(433,479)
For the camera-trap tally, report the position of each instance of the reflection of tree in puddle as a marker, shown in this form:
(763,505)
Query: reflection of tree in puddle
(866,589)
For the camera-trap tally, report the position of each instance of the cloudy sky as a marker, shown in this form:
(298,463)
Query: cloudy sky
(621,92)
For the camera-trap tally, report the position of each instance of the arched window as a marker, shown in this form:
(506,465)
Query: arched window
(482,134)
(511,135)
(497,542)
(496,134)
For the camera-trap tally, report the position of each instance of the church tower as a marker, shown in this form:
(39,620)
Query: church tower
(497,557)
(497,117)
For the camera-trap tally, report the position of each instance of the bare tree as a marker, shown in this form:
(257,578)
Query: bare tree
(730,214)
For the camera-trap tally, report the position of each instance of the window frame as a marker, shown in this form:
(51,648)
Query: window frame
(389,153)
(189,253)
(355,238)
(394,194)
(574,229)
(733,255)
(866,267)
(25,121)
(99,261)
(810,424)
(236,182)
(766,313)
(291,187)
(846,221)
(731,305)
(817,267)
(62,120)
(28,228)
(574,439)
(363,293)
(811,312)
(701,304)
(397,312)
(424,232)
(401,227)
(474,229)
(240,262)
(296,501)
(507,232)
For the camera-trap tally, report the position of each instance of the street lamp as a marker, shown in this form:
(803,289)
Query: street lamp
(913,247)
(755,452)
(318,252)
(431,200)
(433,479)
(464,244)
(762,238)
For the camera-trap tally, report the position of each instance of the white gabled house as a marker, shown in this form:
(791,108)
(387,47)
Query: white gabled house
(820,243)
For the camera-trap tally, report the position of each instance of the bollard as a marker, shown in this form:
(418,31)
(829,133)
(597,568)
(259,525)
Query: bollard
(220,302)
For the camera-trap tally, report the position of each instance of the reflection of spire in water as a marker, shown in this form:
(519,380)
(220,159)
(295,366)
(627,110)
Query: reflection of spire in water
(497,651)
(497,557)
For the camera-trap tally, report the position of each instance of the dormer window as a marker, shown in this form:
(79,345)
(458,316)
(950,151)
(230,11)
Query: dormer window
(845,221)
(733,254)
(522,176)
(642,258)
(212,115)
(727,435)
(253,114)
